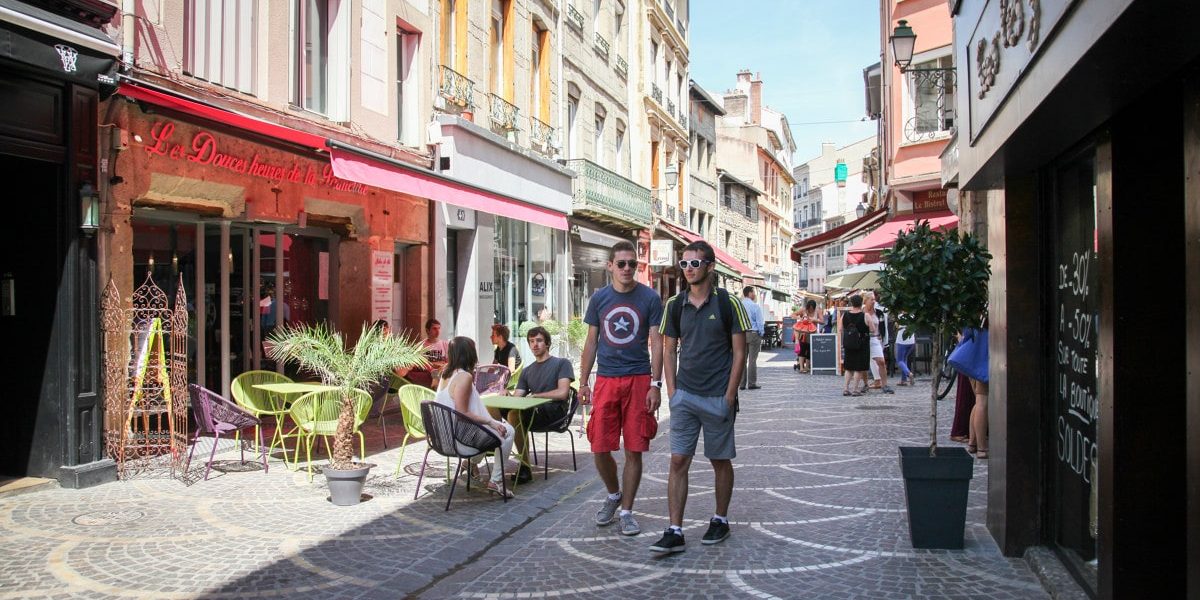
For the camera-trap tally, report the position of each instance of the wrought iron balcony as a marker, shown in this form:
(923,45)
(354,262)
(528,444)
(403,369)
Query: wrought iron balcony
(456,87)
(503,113)
(670,212)
(543,135)
(622,67)
(667,6)
(656,92)
(671,108)
(683,121)
(601,45)
(574,17)
(609,196)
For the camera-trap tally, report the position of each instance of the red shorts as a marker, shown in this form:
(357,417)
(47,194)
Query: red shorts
(619,410)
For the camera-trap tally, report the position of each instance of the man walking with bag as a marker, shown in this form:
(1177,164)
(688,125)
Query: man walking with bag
(622,317)
(754,337)
(711,326)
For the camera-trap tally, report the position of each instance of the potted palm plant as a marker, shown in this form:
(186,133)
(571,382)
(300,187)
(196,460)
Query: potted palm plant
(320,350)
(936,281)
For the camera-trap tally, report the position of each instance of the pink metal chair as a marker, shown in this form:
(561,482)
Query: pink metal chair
(491,379)
(217,415)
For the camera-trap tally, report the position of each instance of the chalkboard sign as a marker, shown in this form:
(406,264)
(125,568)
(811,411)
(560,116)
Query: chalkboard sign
(1074,316)
(824,352)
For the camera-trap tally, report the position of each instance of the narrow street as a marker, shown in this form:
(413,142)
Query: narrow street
(818,512)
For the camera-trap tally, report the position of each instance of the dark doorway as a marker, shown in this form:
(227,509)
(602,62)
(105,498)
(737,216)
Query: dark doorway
(31,264)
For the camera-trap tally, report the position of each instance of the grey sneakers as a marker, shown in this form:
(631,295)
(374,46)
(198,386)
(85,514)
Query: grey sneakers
(629,525)
(608,511)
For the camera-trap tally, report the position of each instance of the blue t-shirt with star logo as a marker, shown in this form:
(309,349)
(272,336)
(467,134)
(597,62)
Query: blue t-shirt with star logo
(624,321)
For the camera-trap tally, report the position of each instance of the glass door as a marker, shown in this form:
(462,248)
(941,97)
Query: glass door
(1074,317)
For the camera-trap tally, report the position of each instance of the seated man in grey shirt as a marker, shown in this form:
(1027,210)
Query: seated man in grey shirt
(546,377)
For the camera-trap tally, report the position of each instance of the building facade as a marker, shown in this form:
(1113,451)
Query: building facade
(1086,475)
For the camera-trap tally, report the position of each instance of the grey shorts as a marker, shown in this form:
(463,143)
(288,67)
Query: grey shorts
(691,413)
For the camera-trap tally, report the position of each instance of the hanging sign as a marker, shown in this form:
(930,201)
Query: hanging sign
(382,264)
(662,253)
(538,285)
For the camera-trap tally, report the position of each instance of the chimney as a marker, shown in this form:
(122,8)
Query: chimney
(755,98)
(743,76)
(735,104)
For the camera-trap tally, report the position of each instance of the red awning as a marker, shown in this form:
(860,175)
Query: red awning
(220,115)
(723,257)
(838,233)
(868,248)
(380,173)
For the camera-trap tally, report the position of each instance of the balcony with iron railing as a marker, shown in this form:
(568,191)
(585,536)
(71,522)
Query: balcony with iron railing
(656,92)
(456,88)
(622,67)
(574,17)
(683,120)
(542,137)
(601,45)
(503,114)
(671,108)
(603,194)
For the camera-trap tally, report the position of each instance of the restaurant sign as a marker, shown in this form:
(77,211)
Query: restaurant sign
(205,149)
(929,201)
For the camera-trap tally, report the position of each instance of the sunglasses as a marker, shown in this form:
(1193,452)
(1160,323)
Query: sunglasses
(621,264)
(694,263)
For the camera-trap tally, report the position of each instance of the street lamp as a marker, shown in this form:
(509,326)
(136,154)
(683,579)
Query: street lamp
(672,174)
(860,210)
(904,40)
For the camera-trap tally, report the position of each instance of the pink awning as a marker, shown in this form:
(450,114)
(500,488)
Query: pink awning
(352,166)
(868,249)
(722,256)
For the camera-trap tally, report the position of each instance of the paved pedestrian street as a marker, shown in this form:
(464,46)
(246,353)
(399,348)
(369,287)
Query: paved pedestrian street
(818,512)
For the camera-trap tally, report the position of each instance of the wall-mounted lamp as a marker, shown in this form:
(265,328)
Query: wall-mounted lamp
(89,208)
(860,210)
(904,41)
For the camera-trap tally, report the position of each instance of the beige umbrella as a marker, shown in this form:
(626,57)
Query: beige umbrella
(858,277)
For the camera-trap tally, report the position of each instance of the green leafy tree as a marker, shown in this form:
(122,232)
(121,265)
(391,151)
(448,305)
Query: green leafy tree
(936,281)
(322,352)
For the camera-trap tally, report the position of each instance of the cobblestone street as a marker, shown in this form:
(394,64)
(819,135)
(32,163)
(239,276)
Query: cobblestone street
(818,512)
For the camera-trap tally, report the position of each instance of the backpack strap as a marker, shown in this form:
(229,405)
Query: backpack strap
(724,309)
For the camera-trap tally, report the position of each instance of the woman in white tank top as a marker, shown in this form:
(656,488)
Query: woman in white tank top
(457,390)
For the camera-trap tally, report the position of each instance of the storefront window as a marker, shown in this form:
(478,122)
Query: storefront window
(528,274)
(590,274)
(1075,316)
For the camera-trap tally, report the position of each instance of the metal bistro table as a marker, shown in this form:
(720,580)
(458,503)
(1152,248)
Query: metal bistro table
(287,393)
(521,403)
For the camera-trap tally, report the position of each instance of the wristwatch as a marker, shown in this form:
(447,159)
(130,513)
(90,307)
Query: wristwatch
(656,383)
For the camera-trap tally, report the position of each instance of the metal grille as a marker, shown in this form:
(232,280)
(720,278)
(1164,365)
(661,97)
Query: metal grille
(145,378)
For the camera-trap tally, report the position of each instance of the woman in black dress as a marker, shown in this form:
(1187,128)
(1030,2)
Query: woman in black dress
(855,362)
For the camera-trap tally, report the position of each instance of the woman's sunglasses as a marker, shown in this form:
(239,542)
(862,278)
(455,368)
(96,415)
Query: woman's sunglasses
(694,263)
(621,264)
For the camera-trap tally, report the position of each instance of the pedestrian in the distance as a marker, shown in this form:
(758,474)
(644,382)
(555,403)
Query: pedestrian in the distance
(754,337)
(622,317)
(905,344)
(711,326)
(856,348)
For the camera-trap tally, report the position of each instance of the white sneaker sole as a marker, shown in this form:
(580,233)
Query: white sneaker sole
(657,550)
(634,532)
(717,541)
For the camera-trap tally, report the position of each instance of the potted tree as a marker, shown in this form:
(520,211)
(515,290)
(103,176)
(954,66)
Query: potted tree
(321,351)
(936,281)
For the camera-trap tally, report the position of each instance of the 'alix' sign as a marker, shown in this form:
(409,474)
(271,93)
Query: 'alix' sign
(204,151)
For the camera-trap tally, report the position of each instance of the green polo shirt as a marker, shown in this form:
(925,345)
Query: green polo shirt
(705,354)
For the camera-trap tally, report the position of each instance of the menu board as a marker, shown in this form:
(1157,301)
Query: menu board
(824,354)
(1075,316)
(382,264)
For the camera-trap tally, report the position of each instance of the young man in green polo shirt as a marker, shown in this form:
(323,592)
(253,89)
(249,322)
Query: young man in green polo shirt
(710,325)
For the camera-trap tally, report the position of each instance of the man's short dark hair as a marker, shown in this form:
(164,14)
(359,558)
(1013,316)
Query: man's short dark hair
(501,330)
(746,290)
(621,246)
(430,323)
(703,248)
(539,331)
(856,301)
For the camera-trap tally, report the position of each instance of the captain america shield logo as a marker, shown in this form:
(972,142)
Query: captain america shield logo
(621,324)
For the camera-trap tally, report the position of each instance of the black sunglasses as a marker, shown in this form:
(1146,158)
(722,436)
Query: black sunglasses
(621,264)
(694,263)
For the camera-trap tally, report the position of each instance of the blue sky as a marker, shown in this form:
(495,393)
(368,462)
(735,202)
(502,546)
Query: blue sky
(811,54)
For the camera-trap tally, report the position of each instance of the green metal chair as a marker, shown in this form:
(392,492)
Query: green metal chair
(514,378)
(316,414)
(411,396)
(262,403)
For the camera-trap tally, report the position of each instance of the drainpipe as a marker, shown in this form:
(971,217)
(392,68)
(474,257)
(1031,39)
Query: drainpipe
(128,19)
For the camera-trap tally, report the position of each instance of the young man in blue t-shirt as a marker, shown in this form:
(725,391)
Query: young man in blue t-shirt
(622,317)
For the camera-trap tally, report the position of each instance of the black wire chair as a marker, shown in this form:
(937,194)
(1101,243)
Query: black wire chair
(454,435)
(562,425)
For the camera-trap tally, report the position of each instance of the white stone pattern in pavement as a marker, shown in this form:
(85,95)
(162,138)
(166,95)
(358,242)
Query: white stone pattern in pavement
(818,512)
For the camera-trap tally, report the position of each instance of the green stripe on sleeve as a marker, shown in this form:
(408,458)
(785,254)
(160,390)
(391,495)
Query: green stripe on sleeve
(740,311)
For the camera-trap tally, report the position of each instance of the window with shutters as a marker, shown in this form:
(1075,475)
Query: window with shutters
(220,42)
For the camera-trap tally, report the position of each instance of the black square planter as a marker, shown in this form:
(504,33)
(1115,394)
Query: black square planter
(935,490)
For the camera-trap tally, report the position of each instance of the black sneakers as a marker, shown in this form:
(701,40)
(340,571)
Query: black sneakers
(523,474)
(670,542)
(717,532)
